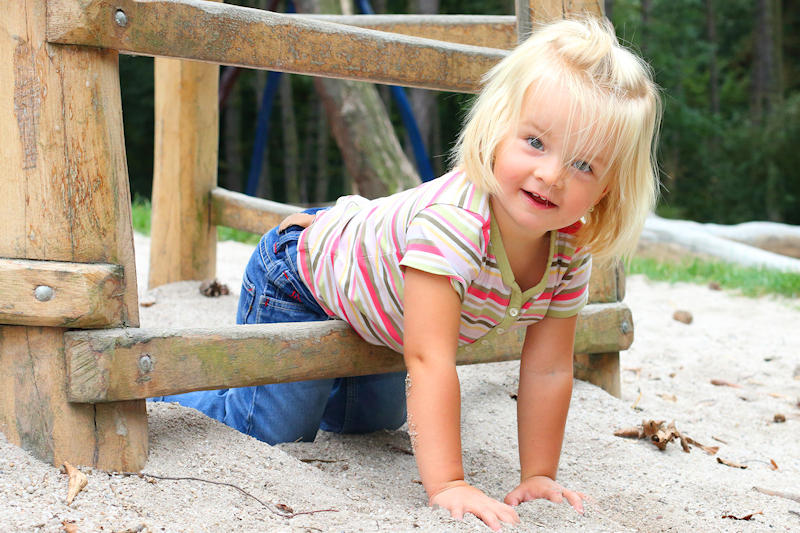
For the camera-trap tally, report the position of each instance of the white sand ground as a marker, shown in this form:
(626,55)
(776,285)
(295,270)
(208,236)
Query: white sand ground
(370,483)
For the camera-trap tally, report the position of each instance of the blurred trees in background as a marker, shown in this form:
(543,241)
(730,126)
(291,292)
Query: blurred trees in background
(730,141)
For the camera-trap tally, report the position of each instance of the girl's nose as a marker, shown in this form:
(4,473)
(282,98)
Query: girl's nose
(549,170)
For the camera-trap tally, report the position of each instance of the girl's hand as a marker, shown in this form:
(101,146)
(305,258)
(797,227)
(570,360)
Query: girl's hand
(544,487)
(296,219)
(462,498)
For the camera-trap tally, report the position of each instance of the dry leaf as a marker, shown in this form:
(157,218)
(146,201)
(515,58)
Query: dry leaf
(730,463)
(723,383)
(668,397)
(779,418)
(661,435)
(714,286)
(69,526)
(284,507)
(147,301)
(774,464)
(745,517)
(710,450)
(213,288)
(77,480)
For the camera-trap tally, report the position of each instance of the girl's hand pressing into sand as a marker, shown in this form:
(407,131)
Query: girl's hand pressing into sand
(543,487)
(462,498)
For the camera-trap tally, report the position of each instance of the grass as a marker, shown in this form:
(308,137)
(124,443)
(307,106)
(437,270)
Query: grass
(141,222)
(750,281)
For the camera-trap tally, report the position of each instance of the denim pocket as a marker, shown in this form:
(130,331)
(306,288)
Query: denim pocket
(247,299)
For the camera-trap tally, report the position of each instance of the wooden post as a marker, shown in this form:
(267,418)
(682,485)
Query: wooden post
(530,12)
(183,240)
(64,197)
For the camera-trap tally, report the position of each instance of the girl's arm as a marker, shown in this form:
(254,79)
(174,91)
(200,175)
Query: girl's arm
(545,388)
(432,312)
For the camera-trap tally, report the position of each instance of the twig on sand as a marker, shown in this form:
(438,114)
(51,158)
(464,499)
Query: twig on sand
(282,510)
(787,495)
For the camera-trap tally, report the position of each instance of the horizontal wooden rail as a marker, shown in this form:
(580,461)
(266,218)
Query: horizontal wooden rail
(239,211)
(126,364)
(476,30)
(59,294)
(233,35)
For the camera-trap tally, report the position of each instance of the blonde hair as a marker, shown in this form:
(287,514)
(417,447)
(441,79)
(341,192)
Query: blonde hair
(608,84)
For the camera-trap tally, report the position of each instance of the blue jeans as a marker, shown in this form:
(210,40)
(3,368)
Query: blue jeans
(272,291)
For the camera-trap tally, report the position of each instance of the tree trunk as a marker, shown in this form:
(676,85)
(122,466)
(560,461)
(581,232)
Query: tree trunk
(423,102)
(232,176)
(321,177)
(372,154)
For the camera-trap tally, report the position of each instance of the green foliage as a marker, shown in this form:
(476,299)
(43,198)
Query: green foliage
(750,281)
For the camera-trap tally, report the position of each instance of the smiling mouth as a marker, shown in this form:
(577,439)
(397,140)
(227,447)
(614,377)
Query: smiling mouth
(540,200)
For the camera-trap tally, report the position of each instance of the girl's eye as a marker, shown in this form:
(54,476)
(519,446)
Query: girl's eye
(535,142)
(581,165)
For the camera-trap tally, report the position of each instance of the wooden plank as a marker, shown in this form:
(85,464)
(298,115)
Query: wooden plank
(53,293)
(233,35)
(140,363)
(607,283)
(532,12)
(183,240)
(239,211)
(475,30)
(66,198)
(601,369)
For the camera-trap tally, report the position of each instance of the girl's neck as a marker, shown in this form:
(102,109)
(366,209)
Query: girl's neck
(527,253)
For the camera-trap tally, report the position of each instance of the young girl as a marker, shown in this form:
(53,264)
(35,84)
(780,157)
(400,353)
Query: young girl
(556,159)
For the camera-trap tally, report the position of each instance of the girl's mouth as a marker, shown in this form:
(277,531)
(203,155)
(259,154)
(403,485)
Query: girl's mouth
(539,199)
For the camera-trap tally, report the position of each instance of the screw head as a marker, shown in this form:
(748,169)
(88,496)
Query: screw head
(145,363)
(43,293)
(121,18)
(625,327)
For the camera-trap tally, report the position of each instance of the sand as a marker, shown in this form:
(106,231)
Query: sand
(370,482)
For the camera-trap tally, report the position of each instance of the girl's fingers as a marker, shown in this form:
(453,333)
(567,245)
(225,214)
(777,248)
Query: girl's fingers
(575,499)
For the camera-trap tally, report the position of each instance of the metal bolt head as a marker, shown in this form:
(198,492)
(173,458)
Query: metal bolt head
(145,363)
(625,327)
(121,18)
(43,293)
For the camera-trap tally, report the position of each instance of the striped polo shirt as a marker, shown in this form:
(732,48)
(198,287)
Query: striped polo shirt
(351,257)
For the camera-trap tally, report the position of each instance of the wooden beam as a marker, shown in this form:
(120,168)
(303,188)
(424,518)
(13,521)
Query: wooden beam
(239,211)
(532,12)
(184,242)
(64,197)
(475,30)
(112,365)
(233,35)
(52,293)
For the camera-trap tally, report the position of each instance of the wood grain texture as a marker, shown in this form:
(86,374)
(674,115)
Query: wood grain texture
(239,211)
(532,12)
(83,295)
(139,363)
(234,35)
(183,240)
(65,197)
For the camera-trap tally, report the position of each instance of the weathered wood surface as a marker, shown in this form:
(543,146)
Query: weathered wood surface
(532,12)
(489,31)
(183,240)
(239,211)
(139,363)
(64,198)
(601,369)
(233,35)
(72,295)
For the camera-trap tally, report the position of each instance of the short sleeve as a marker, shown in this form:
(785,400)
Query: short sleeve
(572,291)
(448,241)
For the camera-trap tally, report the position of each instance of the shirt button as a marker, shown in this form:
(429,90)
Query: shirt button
(500,331)
(484,342)
(513,312)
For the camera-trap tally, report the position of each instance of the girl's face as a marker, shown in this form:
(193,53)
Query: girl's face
(538,190)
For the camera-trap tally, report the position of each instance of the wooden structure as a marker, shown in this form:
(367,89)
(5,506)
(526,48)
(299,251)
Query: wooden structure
(74,367)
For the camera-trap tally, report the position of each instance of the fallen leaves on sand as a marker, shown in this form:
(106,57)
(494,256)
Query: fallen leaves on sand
(779,418)
(723,383)
(745,517)
(732,464)
(213,288)
(77,481)
(661,435)
(69,526)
